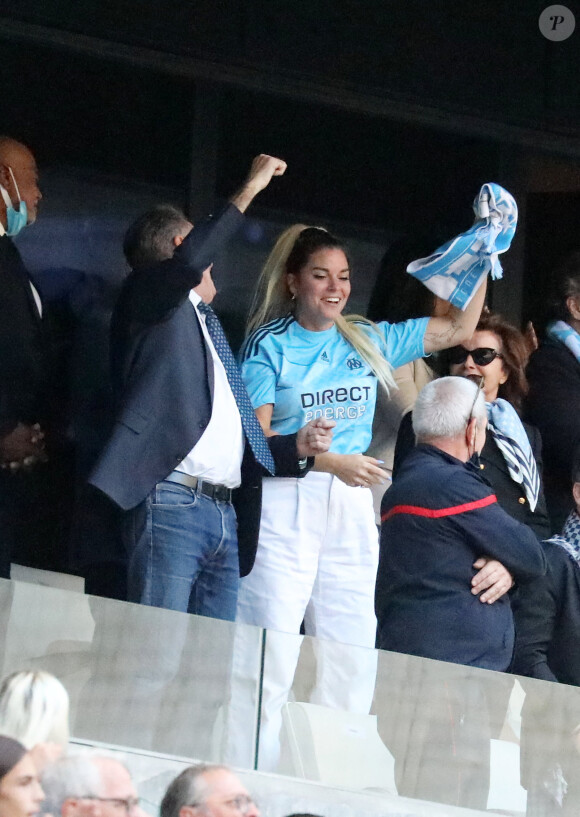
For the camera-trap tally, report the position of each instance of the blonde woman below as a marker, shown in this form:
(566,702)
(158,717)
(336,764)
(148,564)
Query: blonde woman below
(318,548)
(34,709)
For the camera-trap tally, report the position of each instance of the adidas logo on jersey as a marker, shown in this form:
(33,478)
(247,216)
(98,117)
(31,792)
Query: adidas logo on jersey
(324,357)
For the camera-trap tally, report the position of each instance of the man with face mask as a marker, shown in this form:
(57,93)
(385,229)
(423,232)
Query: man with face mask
(24,351)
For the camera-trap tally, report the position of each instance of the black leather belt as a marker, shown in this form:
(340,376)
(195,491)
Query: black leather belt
(219,492)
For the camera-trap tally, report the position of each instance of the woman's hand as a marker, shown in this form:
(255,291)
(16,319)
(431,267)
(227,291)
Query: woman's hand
(356,470)
(315,437)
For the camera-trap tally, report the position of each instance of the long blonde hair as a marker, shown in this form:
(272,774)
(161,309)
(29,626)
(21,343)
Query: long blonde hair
(273,298)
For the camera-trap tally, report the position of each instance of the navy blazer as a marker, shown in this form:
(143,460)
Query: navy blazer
(547,615)
(439,516)
(552,405)
(162,375)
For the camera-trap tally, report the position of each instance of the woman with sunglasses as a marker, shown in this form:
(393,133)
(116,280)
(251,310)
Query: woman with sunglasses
(497,354)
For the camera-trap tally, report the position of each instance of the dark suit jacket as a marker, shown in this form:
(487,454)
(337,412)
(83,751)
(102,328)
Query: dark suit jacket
(24,348)
(438,517)
(547,618)
(547,615)
(510,495)
(552,405)
(162,374)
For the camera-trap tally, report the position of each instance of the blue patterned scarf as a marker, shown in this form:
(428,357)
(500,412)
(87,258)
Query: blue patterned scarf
(570,538)
(456,269)
(510,435)
(563,332)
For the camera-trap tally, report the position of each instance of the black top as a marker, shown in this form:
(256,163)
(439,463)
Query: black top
(547,616)
(553,405)
(510,494)
(25,350)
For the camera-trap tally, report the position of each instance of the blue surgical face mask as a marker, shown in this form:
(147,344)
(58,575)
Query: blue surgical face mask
(15,219)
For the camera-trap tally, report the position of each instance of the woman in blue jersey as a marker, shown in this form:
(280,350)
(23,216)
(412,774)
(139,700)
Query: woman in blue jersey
(318,547)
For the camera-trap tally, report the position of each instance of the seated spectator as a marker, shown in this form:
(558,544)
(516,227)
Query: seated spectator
(20,792)
(547,616)
(34,709)
(498,353)
(213,791)
(72,786)
(90,786)
(439,517)
(554,396)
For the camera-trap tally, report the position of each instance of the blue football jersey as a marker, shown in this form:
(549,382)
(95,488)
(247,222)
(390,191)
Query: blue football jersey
(307,374)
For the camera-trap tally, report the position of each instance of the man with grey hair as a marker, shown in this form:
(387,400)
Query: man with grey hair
(441,524)
(213,790)
(448,555)
(89,786)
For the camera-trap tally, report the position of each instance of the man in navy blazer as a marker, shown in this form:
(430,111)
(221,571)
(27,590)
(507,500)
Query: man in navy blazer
(180,446)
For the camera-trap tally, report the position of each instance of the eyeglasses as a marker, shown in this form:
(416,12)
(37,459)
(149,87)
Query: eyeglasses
(482,356)
(127,805)
(242,803)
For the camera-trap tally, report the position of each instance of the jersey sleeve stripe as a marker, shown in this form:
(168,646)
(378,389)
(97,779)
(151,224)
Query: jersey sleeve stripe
(275,327)
(431,513)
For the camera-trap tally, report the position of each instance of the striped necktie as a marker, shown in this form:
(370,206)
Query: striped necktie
(506,428)
(250,424)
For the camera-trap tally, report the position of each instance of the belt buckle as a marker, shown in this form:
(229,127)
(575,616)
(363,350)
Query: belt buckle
(213,491)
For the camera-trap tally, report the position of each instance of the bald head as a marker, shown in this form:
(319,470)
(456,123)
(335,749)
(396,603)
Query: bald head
(12,151)
(22,183)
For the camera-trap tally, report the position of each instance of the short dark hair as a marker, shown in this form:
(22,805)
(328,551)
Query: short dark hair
(567,277)
(150,238)
(185,789)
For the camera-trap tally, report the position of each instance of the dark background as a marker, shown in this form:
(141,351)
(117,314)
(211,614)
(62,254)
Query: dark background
(389,114)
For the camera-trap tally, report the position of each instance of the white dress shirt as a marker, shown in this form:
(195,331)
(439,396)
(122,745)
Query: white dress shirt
(217,455)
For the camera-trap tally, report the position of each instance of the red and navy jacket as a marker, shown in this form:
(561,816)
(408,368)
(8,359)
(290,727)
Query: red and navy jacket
(439,516)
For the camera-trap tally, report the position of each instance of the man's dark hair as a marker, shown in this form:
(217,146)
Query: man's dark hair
(150,238)
(186,790)
(567,283)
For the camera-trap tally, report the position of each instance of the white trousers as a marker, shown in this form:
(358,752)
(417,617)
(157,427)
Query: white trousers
(316,561)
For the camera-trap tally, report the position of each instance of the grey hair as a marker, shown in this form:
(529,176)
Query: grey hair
(34,708)
(150,238)
(445,406)
(187,789)
(69,778)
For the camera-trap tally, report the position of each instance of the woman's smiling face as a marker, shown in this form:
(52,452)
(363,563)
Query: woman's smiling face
(321,288)
(494,374)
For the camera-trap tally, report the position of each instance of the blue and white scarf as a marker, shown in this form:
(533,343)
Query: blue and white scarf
(570,538)
(563,332)
(455,270)
(510,435)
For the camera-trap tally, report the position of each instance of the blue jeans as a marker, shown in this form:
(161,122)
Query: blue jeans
(183,552)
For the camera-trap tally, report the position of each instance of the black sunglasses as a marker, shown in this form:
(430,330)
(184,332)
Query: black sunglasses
(481,357)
